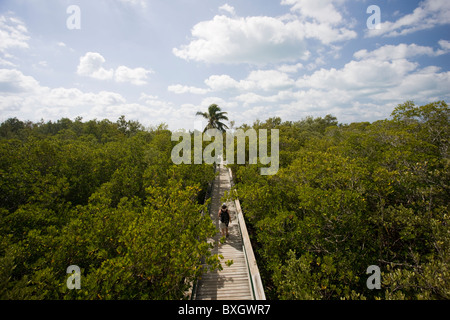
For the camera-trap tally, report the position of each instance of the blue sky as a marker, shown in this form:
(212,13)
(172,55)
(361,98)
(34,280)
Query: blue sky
(161,61)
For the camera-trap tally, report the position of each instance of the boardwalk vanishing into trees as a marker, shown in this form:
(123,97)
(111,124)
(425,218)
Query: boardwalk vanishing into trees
(241,280)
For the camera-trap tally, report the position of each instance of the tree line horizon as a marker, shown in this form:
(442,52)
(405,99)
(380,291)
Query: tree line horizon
(107,197)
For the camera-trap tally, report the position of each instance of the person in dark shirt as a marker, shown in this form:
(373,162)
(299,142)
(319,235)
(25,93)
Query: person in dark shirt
(224,218)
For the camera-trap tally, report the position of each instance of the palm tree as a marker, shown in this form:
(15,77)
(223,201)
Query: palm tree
(214,116)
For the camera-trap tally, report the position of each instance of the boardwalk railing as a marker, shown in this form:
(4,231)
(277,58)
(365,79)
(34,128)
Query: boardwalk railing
(255,277)
(240,280)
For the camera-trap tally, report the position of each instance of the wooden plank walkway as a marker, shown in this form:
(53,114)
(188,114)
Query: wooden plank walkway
(232,283)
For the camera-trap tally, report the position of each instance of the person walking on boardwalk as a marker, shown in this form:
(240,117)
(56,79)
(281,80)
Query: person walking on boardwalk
(224,218)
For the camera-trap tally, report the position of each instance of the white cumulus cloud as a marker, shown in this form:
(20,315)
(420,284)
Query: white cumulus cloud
(227,8)
(259,80)
(400,51)
(323,11)
(262,39)
(13,33)
(136,76)
(180,89)
(445,45)
(14,81)
(221,82)
(23,94)
(427,15)
(91,65)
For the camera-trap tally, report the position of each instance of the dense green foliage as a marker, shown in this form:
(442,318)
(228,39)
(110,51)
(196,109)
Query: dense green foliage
(350,196)
(106,197)
(103,196)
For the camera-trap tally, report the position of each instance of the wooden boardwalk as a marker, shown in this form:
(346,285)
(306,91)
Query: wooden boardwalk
(233,282)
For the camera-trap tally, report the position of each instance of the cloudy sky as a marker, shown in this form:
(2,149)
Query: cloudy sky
(161,61)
